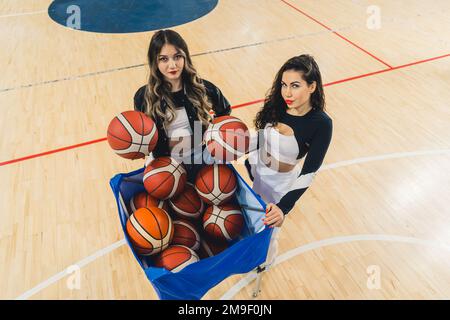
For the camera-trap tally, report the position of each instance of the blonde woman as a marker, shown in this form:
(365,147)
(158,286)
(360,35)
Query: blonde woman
(178,100)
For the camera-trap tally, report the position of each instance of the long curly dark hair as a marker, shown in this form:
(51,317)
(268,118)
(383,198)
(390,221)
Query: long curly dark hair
(274,104)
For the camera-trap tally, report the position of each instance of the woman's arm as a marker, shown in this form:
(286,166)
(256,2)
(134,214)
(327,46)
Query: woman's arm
(139,99)
(220,104)
(313,161)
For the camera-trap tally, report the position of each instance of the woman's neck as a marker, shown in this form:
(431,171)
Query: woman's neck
(300,110)
(176,85)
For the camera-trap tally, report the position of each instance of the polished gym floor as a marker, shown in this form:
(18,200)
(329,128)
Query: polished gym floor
(375,222)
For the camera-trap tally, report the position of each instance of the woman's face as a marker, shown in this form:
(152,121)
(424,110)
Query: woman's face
(294,90)
(170,63)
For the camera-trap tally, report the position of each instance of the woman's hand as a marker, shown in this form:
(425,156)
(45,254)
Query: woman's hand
(274,216)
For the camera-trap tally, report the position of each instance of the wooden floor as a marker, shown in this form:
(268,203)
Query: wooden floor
(380,202)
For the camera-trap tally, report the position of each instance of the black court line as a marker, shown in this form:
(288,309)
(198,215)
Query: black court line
(91,74)
(233,107)
(329,30)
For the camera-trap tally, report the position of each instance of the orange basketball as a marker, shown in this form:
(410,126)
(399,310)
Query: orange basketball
(164,178)
(223,222)
(185,233)
(150,230)
(132,135)
(209,247)
(188,203)
(175,258)
(215,184)
(143,199)
(227,138)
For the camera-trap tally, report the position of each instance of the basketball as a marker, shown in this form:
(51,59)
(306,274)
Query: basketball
(164,178)
(187,204)
(132,135)
(210,248)
(227,138)
(215,184)
(144,200)
(223,222)
(175,258)
(150,230)
(185,233)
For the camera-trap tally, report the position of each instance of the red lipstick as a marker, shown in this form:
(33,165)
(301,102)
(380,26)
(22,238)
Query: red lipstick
(288,102)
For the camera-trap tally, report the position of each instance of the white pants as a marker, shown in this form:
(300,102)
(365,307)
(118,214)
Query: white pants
(271,185)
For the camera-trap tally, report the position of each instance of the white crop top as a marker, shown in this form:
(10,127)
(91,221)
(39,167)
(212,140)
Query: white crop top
(282,147)
(179,127)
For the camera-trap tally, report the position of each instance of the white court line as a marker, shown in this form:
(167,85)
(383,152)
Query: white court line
(64,273)
(22,14)
(330,242)
(251,276)
(383,157)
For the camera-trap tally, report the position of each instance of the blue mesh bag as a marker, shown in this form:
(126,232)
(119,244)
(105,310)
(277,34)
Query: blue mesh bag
(193,282)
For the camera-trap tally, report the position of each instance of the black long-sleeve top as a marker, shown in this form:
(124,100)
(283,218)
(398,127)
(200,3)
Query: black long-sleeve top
(220,106)
(313,133)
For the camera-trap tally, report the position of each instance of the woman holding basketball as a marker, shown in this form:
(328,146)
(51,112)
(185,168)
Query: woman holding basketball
(178,100)
(291,124)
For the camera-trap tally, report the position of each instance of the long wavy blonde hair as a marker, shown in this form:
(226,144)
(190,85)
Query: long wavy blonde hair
(158,89)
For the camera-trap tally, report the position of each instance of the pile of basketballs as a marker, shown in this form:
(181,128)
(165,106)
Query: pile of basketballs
(173,221)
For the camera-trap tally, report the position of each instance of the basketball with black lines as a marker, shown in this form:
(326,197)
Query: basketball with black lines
(187,204)
(216,184)
(227,138)
(132,135)
(186,234)
(144,200)
(223,222)
(150,230)
(164,178)
(175,258)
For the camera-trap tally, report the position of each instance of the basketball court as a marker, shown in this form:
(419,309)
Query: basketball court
(373,225)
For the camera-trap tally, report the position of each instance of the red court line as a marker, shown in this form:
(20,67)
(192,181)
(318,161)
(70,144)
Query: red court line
(338,34)
(421,61)
(386,70)
(247,104)
(233,107)
(52,151)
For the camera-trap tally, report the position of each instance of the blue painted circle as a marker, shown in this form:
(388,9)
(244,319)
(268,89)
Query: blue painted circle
(123,16)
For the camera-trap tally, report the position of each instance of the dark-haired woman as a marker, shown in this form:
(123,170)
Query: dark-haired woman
(291,124)
(178,100)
